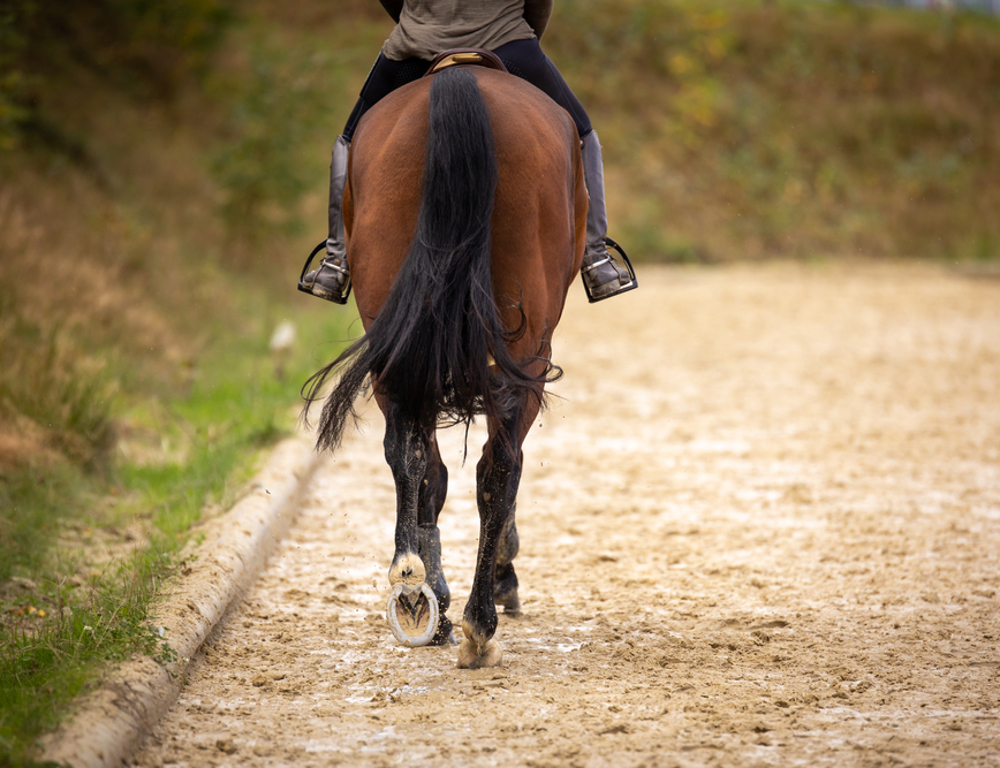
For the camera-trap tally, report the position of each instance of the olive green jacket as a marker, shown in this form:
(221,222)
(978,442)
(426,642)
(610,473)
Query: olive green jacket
(424,28)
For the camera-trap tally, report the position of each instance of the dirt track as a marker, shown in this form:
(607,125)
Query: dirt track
(761,528)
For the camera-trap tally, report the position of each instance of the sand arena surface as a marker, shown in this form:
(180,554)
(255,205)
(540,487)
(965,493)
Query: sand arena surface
(762,527)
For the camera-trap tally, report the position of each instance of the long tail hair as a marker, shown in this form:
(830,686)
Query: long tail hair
(438,348)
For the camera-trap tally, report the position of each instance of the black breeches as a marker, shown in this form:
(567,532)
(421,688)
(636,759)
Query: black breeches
(523,58)
(386,76)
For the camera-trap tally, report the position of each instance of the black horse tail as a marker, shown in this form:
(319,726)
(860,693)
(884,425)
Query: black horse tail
(438,347)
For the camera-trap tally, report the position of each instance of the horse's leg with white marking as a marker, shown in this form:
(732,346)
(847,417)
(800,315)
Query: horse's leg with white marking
(406,454)
(412,610)
(498,475)
(433,490)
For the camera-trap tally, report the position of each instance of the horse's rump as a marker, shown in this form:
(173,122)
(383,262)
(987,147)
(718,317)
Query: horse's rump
(465,216)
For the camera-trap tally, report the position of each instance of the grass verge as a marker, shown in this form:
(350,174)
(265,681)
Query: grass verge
(84,554)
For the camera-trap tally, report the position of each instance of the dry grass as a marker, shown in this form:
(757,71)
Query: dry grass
(751,130)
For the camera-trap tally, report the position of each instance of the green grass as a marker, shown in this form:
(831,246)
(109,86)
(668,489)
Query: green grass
(56,638)
(65,395)
(68,613)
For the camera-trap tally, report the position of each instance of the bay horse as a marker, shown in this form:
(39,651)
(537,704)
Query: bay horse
(465,216)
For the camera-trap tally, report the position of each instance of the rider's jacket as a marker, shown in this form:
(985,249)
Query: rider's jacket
(426,27)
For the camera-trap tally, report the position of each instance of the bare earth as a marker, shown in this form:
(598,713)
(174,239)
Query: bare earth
(762,527)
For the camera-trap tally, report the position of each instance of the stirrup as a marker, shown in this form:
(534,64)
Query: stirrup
(338,299)
(630,286)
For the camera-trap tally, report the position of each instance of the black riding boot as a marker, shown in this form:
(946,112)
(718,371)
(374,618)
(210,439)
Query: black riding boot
(602,276)
(331,280)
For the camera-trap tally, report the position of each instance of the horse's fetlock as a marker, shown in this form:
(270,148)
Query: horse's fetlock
(473,633)
(408,569)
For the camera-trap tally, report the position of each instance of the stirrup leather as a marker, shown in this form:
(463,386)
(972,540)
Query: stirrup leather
(630,286)
(342,298)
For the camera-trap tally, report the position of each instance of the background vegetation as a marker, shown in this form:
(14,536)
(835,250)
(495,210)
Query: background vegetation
(163,171)
(757,129)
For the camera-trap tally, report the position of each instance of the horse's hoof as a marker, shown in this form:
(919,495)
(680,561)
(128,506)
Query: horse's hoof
(412,615)
(471,656)
(445,634)
(509,602)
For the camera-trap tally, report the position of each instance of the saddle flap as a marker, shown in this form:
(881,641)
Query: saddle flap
(465,57)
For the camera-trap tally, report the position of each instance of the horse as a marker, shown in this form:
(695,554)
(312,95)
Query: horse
(465,220)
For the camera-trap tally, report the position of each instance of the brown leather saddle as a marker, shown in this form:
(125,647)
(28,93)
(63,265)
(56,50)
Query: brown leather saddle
(465,57)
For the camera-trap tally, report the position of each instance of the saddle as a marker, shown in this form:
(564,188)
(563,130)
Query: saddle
(464,57)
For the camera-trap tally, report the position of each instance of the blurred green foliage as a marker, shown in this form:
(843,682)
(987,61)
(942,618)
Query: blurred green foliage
(136,385)
(13,111)
(146,47)
(264,162)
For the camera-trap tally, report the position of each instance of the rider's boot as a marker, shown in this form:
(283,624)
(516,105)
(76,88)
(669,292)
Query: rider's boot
(602,276)
(331,280)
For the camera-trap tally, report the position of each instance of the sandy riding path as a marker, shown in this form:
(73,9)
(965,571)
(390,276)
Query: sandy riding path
(762,528)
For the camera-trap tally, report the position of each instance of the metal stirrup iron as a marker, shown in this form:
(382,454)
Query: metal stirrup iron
(629,286)
(307,287)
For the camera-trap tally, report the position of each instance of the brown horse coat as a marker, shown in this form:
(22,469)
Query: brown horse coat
(540,211)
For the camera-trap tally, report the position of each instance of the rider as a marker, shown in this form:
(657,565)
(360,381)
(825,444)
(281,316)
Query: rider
(511,29)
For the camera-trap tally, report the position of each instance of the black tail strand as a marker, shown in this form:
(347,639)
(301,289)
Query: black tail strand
(431,345)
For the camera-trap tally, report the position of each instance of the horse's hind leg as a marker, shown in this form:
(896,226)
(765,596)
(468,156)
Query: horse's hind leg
(505,588)
(433,490)
(406,454)
(413,610)
(498,475)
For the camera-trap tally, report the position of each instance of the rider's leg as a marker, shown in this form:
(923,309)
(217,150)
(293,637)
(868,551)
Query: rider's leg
(602,276)
(330,280)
